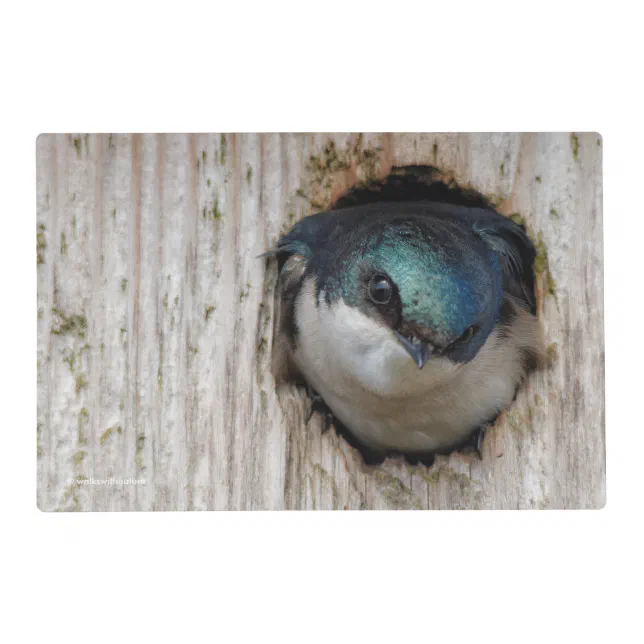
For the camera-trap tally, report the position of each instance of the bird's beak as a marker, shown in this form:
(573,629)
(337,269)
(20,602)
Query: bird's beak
(419,351)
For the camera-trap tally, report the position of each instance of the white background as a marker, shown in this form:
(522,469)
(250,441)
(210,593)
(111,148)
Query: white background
(322,577)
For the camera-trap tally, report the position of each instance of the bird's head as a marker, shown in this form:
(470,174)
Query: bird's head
(435,276)
(439,292)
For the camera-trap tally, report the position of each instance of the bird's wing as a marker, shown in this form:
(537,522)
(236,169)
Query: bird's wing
(293,252)
(290,281)
(516,253)
(307,234)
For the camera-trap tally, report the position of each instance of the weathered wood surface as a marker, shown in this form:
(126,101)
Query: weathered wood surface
(155,324)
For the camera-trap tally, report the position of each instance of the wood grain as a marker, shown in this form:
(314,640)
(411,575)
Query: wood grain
(155,323)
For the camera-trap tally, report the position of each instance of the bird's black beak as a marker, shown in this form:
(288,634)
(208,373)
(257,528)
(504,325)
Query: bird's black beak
(419,351)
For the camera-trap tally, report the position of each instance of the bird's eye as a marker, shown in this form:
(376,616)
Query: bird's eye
(380,289)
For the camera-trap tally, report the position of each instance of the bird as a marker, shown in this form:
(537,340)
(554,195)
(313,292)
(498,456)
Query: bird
(408,315)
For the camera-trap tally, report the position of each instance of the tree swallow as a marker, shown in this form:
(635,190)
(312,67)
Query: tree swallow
(412,322)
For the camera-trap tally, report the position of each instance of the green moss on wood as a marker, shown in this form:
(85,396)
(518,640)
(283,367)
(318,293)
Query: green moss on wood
(77,145)
(243,294)
(262,345)
(69,358)
(83,421)
(81,383)
(537,179)
(70,493)
(138,457)
(552,353)
(41,244)
(554,213)
(574,144)
(63,244)
(518,219)
(492,199)
(542,266)
(160,367)
(68,323)
(222,149)
(322,169)
(325,479)
(108,432)
(395,491)
(123,285)
(215,213)
(209,311)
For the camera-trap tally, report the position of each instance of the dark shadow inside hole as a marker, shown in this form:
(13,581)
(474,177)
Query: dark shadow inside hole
(412,183)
